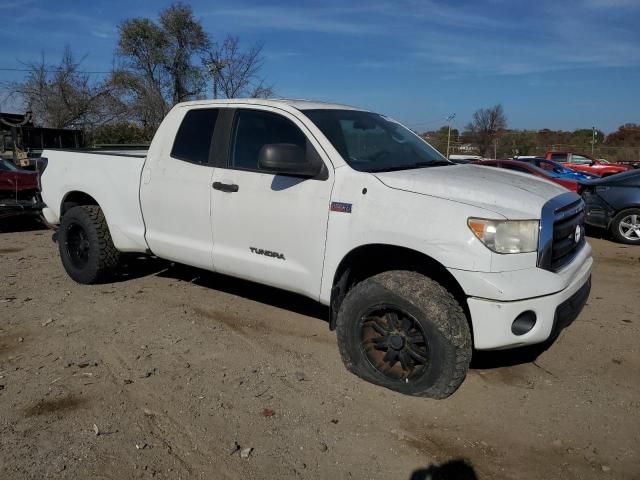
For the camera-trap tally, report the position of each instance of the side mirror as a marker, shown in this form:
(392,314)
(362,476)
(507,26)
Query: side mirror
(288,159)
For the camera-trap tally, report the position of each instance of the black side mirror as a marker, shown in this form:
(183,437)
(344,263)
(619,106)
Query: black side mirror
(288,159)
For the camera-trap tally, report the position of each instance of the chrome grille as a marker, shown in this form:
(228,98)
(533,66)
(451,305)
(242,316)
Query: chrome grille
(561,224)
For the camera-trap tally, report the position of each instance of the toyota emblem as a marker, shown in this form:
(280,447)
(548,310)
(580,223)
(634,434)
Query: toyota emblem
(578,234)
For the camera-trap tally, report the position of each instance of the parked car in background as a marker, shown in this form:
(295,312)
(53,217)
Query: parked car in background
(581,162)
(557,168)
(613,203)
(18,190)
(464,159)
(531,169)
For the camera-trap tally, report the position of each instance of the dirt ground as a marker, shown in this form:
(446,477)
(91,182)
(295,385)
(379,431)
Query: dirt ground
(172,372)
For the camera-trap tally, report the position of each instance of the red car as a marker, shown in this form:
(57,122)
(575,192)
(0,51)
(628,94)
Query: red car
(18,190)
(581,162)
(522,167)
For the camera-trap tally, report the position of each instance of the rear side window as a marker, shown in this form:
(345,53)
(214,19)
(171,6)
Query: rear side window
(255,129)
(193,139)
(559,157)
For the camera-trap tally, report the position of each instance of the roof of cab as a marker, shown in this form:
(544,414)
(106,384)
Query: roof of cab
(298,104)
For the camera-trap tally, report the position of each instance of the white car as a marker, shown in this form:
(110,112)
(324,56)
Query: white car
(419,259)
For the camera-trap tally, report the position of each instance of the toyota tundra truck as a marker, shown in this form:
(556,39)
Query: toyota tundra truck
(419,259)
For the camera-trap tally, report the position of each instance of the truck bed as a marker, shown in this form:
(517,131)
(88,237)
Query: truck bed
(110,177)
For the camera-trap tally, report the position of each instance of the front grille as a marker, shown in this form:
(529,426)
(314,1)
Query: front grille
(561,224)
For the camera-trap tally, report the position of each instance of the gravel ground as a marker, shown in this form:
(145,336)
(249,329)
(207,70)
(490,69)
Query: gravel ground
(173,372)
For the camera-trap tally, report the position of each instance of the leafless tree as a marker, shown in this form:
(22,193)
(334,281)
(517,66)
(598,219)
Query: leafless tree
(62,95)
(486,126)
(236,72)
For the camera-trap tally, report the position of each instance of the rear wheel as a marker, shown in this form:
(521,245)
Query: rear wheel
(625,226)
(405,332)
(86,249)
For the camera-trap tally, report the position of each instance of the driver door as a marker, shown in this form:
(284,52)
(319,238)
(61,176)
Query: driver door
(268,227)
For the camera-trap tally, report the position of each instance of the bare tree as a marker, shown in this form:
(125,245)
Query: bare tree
(236,72)
(486,126)
(62,95)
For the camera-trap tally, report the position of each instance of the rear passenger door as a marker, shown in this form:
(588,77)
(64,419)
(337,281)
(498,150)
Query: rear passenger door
(175,192)
(268,227)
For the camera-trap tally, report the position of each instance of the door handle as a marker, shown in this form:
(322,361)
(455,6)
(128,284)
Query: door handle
(225,187)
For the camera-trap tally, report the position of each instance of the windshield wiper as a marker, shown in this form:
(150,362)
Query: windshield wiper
(435,163)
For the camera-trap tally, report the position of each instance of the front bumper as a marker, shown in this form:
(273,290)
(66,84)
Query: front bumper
(492,319)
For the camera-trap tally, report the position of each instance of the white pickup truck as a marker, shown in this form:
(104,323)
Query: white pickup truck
(420,260)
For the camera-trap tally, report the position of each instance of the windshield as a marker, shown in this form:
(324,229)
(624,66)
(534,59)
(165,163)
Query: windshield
(369,142)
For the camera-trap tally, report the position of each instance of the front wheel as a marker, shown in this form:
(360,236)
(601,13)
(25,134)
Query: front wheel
(625,226)
(86,249)
(405,332)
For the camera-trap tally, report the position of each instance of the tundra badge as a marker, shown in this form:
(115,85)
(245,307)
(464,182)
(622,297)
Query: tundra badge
(267,253)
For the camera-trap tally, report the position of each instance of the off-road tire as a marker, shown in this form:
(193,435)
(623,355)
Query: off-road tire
(102,255)
(615,223)
(436,310)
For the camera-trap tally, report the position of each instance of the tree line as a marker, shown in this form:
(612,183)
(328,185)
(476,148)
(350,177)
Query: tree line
(488,135)
(157,63)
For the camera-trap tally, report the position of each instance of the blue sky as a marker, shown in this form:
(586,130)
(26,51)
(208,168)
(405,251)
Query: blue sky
(557,64)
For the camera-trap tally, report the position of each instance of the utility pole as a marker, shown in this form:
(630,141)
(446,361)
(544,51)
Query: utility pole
(593,139)
(449,118)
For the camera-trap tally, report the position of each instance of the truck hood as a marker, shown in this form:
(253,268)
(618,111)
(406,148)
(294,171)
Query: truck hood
(509,194)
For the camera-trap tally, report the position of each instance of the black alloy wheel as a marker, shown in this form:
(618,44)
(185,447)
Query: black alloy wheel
(77,245)
(394,342)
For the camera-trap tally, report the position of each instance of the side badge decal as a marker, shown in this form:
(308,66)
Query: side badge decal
(340,207)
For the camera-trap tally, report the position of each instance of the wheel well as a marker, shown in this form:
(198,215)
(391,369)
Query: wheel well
(618,212)
(75,199)
(368,260)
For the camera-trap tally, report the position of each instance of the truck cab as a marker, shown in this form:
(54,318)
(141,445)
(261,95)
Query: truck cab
(582,162)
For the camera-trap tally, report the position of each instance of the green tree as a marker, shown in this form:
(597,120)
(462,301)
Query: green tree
(160,62)
(120,132)
(581,139)
(185,39)
(518,142)
(438,138)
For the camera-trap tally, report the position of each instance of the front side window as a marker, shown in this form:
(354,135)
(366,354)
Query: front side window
(559,157)
(254,129)
(193,139)
(580,159)
(369,142)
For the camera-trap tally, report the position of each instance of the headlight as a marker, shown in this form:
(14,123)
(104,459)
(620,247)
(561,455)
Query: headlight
(506,236)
